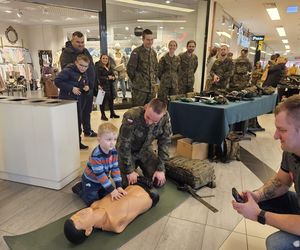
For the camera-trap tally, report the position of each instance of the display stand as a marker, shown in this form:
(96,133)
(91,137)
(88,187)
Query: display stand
(39,141)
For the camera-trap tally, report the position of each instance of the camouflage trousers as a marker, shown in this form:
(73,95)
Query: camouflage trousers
(140,98)
(147,160)
(164,92)
(183,89)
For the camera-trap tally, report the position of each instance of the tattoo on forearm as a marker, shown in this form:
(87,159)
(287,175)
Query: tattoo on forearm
(270,188)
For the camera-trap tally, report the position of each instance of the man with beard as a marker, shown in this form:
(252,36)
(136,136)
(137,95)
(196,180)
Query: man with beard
(273,204)
(221,70)
(187,69)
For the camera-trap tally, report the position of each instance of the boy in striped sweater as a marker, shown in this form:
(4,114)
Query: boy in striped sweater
(102,164)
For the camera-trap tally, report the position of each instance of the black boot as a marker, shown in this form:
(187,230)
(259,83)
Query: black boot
(114,115)
(104,118)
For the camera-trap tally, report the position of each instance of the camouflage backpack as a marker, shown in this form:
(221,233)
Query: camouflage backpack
(195,173)
(226,152)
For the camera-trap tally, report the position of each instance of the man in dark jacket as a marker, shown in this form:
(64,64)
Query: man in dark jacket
(69,53)
(73,84)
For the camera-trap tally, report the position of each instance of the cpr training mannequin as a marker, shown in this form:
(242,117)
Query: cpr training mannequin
(110,215)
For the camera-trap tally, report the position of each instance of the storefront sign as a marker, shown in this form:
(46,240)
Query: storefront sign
(258,38)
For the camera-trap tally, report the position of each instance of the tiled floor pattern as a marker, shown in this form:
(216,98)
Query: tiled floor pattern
(190,226)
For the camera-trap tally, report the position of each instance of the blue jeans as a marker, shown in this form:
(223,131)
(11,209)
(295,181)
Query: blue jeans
(91,191)
(285,204)
(283,241)
(123,87)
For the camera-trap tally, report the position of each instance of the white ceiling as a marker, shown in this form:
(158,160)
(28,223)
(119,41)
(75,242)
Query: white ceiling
(255,17)
(251,13)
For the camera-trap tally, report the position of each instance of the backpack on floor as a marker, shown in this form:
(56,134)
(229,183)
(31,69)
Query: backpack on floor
(226,152)
(195,173)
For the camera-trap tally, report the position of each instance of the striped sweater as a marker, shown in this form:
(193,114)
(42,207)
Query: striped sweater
(100,166)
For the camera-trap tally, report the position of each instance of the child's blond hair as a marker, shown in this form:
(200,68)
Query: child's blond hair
(107,127)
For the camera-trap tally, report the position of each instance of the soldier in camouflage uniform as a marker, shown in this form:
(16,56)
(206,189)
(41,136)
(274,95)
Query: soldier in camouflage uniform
(222,70)
(257,74)
(188,67)
(241,73)
(168,69)
(142,70)
(140,127)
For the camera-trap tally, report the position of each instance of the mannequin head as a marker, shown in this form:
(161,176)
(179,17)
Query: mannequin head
(117,47)
(111,215)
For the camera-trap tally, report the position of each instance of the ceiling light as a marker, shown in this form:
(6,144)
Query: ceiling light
(292,9)
(253,48)
(8,11)
(93,16)
(222,33)
(168,2)
(160,21)
(225,44)
(88,31)
(182,28)
(273,13)
(281,31)
(217,44)
(263,52)
(20,14)
(126,28)
(161,27)
(287,46)
(251,53)
(285,40)
(69,19)
(155,5)
(287,51)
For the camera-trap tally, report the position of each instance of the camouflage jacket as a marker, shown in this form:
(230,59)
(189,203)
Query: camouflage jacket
(135,138)
(242,67)
(168,69)
(142,68)
(224,70)
(188,67)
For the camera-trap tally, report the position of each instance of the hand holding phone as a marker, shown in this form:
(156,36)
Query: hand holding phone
(237,196)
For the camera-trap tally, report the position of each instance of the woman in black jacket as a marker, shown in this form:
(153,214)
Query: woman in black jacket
(105,80)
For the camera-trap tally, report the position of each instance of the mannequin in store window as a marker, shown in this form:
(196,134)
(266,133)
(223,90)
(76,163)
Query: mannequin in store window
(105,79)
(111,215)
(120,61)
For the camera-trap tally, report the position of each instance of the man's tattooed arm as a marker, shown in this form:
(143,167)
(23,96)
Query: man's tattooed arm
(271,189)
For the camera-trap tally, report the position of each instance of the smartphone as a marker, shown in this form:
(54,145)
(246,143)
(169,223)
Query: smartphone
(236,196)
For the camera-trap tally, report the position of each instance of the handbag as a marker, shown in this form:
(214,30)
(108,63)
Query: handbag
(100,97)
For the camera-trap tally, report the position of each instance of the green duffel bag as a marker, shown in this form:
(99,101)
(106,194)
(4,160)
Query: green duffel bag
(195,173)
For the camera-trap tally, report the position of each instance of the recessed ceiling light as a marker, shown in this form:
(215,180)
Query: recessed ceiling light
(272,10)
(287,46)
(281,31)
(168,2)
(285,40)
(253,48)
(126,28)
(182,28)
(88,31)
(161,27)
(69,19)
(8,11)
(93,16)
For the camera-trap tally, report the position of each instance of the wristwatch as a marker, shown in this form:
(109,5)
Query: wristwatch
(261,217)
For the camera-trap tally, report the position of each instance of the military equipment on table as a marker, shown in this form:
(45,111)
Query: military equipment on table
(194,173)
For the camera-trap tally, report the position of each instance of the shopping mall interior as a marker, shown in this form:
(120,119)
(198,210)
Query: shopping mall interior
(32,35)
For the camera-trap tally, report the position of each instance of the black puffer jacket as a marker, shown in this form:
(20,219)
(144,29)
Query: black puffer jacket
(69,54)
(275,75)
(102,78)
